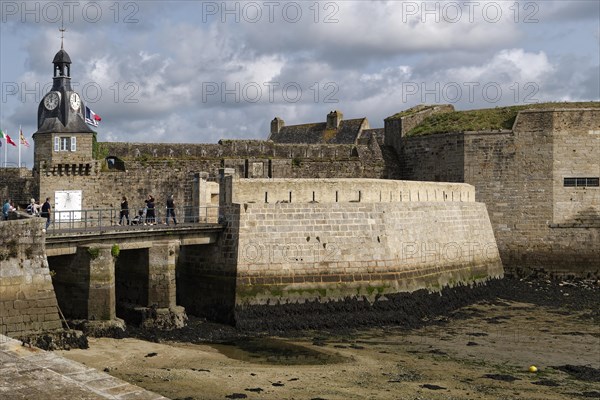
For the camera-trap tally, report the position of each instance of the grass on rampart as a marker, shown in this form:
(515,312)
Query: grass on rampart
(488,119)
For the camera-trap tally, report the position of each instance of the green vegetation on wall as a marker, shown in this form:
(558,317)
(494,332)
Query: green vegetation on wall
(115,251)
(94,252)
(489,119)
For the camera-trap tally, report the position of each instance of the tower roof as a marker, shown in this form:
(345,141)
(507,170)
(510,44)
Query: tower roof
(62,57)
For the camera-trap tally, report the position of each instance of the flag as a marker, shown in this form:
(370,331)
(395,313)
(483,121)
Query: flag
(24,141)
(91,117)
(2,134)
(9,140)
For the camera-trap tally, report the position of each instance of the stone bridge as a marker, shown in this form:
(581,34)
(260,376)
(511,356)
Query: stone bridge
(124,272)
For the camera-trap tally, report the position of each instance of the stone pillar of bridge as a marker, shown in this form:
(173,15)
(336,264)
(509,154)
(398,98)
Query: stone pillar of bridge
(163,311)
(161,274)
(97,260)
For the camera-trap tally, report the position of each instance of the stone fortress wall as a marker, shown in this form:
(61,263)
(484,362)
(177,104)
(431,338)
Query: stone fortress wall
(538,222)
(165,169)
(321,251)
(27,300)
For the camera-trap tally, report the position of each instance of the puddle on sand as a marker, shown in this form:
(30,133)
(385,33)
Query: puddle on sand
(275,352)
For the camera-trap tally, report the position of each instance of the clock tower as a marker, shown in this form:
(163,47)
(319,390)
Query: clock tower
(62,159)
(63,141)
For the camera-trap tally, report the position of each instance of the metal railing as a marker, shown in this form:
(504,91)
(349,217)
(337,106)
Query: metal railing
(110,218)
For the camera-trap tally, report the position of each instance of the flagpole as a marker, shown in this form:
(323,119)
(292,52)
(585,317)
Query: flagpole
(19,165)
(5,146)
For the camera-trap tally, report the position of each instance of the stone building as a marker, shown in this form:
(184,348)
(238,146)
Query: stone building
(335,130)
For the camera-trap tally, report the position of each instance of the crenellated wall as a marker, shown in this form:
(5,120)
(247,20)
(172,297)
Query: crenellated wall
(343,191)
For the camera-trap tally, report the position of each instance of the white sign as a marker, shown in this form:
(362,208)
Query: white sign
(67,204)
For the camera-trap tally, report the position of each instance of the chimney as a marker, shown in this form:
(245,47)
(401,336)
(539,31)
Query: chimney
(333,119)
(276,125)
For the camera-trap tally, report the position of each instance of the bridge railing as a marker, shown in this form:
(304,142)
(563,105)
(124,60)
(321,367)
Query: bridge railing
(109,218)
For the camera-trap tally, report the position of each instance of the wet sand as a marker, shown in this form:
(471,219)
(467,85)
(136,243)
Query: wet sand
(481,351)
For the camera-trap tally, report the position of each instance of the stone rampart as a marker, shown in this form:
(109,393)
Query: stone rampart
(304,251)
(164,169)
(27,299)
(227,149)
(538,222)
(398,125)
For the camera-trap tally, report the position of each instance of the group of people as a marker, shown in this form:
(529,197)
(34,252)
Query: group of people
(147,215)
(41,211)
(33,208)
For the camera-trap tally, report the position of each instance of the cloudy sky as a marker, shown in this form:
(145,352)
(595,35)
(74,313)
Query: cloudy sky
(200,71)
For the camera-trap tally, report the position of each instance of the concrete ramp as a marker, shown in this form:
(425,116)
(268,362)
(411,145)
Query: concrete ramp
(31,373)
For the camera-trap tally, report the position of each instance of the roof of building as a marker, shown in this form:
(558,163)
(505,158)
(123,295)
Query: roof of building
(368,134)
(347,132)
(61,57)
(54,125)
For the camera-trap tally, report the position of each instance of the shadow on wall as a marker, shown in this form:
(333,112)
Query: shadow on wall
(589,216)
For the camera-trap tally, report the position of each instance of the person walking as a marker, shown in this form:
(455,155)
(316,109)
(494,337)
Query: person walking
(46,209)
(124,211)
(150,214)
(171,209)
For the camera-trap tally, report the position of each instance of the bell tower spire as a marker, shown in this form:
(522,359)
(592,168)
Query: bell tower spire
(62,110)
(62,30)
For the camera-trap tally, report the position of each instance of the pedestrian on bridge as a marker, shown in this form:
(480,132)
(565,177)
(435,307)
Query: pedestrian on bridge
(171,209)
(150,214)
(46,208)
(124,211)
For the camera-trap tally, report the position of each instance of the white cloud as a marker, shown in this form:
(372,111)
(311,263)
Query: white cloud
(371,56)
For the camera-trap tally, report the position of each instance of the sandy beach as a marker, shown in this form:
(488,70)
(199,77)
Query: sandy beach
(481,351)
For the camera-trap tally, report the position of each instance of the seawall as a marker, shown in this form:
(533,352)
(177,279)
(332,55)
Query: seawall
(326,252)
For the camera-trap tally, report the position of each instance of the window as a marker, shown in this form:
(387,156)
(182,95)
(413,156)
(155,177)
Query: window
(581,182)
(65,143)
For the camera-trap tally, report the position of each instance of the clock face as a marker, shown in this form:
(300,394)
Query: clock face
(75,101)
(51,100)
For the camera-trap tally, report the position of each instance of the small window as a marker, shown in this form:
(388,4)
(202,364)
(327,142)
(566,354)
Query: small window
(65,144)
(73,143)
(115,163)
(56,143)
(581,182)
